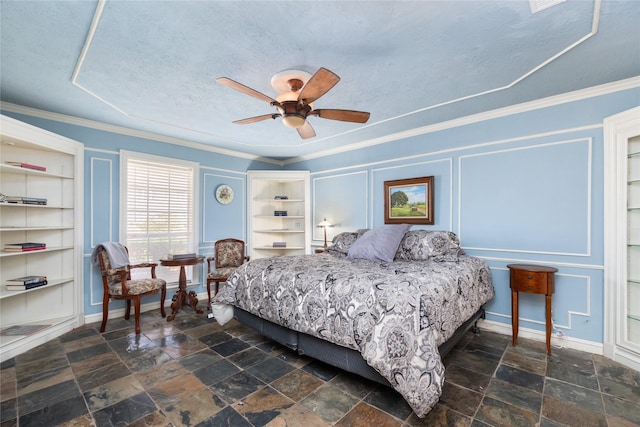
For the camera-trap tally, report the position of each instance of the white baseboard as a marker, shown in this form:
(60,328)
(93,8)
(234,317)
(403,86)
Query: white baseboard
(564,342)
(18,347)
(113,314)
(622,355)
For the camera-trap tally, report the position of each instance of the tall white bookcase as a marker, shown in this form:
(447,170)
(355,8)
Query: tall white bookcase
(279,213)
(31,317)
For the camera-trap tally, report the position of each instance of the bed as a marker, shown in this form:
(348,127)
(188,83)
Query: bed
(383,303)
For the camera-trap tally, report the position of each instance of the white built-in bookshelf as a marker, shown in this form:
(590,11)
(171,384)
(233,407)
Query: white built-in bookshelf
(31,317)
(279,220)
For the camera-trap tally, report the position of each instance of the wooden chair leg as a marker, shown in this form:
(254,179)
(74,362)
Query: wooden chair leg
(209,294)
(215,292)
(105,312)
(163,296)
(136,312)
(127,310)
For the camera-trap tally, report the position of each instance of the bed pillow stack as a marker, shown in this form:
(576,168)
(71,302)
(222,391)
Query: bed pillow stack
(421,245)
(379,243)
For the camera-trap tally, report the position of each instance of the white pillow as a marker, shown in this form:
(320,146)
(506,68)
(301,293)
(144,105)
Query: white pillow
(222,312)
(379,243)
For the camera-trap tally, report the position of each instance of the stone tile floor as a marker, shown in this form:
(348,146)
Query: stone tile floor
(193,372)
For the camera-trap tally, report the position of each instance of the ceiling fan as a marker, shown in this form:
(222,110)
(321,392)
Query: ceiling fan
(295,103)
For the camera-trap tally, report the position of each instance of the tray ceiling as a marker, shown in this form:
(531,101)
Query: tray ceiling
(151,65)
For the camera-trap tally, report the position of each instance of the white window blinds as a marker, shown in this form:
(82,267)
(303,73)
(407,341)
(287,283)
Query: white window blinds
(159,212)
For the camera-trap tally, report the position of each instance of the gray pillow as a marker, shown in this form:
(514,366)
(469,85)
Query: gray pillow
(379,243)
(420,245)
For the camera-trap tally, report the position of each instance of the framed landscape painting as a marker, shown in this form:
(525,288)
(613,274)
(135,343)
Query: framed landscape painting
(409,201)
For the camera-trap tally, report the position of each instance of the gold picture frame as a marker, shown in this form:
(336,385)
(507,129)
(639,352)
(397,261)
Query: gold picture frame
(409,201)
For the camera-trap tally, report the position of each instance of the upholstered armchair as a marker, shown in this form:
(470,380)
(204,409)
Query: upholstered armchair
(228,255)
(118,285)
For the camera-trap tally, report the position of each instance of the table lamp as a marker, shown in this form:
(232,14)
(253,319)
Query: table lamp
(325,224)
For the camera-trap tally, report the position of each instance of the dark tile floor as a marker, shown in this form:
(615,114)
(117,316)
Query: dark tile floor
(192,372)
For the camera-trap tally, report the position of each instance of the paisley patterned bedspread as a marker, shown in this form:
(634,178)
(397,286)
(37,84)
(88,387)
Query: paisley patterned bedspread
(395,314)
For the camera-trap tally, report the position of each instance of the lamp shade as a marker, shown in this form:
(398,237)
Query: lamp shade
(324,223)
(293,121)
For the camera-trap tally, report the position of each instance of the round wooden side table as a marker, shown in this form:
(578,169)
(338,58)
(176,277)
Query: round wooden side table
(182,297)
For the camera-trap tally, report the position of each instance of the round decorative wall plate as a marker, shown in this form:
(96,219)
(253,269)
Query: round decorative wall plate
(224,194)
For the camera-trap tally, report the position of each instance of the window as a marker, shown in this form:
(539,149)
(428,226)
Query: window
(157,210)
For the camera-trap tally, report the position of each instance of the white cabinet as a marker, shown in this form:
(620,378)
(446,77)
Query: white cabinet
(279,220)
(31,317)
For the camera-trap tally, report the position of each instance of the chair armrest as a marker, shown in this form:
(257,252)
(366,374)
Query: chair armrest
(151,265)
(144,264)
(209,259)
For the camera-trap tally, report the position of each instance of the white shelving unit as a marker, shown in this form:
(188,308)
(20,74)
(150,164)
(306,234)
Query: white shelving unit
(633,241)
(31,317)
(285,191)
(622,237)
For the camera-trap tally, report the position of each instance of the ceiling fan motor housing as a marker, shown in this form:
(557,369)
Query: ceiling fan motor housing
(293,113)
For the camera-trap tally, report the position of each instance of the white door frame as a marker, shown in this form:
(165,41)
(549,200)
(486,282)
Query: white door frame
(618,129)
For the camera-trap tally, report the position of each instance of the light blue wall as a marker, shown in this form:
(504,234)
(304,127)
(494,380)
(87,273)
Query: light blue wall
(102,196)
(526,187)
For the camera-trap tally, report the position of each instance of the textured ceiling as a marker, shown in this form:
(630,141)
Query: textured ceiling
(151,65)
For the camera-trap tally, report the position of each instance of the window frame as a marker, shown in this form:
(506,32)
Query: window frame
(168,273)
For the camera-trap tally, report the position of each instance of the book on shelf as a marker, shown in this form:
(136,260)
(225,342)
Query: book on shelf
(279,244)
(279,213)
(281,197)
(27,166)
(182,256)
(26,280)
(26,287)
(33,249)
(24,247)
(26,200)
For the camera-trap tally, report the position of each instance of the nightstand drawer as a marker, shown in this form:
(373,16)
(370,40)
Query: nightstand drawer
(529,281)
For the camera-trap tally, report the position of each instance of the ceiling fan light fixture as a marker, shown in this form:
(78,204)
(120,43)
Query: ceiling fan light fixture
(293,121)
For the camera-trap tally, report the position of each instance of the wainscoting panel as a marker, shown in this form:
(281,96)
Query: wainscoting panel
(440,169)
(221,221)
(101,196)
(343,199)
(536,199)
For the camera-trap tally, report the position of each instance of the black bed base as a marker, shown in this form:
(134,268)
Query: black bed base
(341,357)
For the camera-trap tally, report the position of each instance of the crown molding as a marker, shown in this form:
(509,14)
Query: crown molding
(604,89)
(92,124)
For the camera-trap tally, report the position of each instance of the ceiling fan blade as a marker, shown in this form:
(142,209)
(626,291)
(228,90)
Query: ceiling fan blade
(319,84)
(342,115)
(306,131)
(225,81)
(256,119)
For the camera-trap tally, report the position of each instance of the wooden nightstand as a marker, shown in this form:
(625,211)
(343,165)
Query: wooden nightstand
(533,279)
